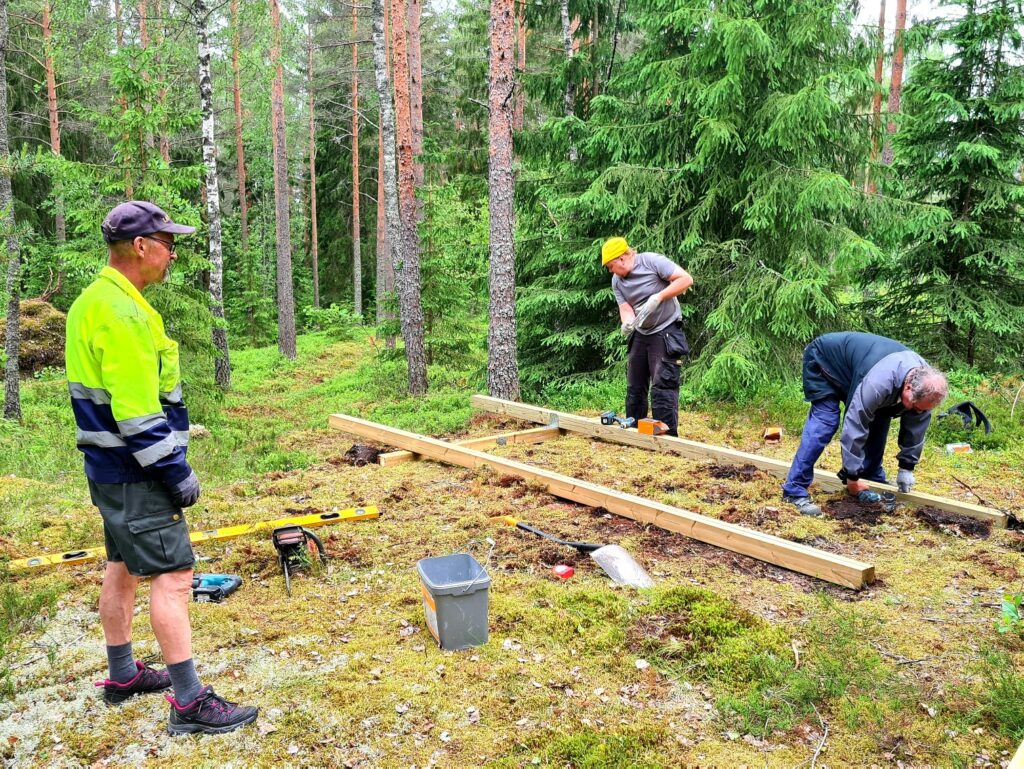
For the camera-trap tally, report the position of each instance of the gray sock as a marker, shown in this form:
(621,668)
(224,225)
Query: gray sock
(185,681)
(121,663)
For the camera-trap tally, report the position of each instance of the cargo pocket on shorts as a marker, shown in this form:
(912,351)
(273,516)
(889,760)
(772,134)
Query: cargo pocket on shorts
(161,542)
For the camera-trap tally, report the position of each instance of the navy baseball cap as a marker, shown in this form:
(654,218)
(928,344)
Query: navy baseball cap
(139,217)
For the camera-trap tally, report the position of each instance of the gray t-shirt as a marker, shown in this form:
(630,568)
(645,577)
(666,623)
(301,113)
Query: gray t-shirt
(651,273)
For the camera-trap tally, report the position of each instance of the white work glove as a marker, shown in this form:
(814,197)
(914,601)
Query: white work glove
(628,327)
(650,307)
(186,493)
(904,480)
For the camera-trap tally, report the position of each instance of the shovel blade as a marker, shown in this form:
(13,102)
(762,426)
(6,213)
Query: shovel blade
(621,566)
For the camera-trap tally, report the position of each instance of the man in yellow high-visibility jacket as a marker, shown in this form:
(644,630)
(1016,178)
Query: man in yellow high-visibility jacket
(125,386)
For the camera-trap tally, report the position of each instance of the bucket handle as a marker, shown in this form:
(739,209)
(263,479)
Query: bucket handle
(467,548)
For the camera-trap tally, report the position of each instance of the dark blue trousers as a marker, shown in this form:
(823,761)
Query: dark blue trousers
(822,423)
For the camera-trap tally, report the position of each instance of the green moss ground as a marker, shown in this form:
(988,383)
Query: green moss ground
(728,661)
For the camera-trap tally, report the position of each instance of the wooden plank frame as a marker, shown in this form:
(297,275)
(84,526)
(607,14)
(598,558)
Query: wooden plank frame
(692,449)
(533,435)
(801,558)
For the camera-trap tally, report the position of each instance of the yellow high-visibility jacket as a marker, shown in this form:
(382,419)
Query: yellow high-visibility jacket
(125,386)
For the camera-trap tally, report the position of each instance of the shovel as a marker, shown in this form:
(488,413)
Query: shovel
(614,560)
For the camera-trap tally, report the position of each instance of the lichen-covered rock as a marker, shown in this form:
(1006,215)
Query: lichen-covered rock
(42,336)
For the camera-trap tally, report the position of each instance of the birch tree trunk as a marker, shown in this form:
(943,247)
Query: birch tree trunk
(387,186)
(314,238)
(895,79)
(12,340)
(520,109)
(222,363)
(357,257)
(876,100)
(570,90)
(243,200)
(502,365)
(406,249)
(385,264)
(285,293)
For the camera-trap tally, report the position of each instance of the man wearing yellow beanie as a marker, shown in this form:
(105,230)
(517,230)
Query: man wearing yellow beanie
(646,286)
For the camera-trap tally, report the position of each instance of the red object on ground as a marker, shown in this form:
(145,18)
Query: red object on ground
(563,571)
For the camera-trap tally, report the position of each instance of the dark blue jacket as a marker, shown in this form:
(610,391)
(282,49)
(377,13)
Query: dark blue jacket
(866,372)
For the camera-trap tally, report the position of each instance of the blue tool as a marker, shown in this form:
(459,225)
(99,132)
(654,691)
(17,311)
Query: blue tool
(214,588)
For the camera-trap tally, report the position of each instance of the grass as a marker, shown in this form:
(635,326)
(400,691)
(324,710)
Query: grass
(346,673)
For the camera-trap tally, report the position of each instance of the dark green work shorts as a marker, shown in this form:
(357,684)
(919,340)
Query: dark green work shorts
(143,527)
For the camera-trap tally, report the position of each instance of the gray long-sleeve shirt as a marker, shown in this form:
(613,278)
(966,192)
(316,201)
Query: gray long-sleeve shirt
(879,395)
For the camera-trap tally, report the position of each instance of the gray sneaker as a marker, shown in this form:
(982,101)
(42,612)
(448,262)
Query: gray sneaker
(803,504)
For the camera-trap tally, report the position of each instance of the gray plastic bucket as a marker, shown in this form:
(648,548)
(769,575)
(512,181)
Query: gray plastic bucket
(455,592)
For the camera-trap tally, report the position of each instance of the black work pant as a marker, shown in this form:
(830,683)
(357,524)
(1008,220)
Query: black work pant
(654,361)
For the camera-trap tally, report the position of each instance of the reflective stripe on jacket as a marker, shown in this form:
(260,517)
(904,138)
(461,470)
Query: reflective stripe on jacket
(125,386)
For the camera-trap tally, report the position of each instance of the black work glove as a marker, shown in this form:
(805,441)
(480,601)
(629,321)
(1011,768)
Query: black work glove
(186,493)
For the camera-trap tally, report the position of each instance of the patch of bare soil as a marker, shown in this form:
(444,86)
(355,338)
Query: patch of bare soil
(552,555)
(993,564)
(855,513)
(953,523)
(505,481)
(719,493)
(666,544)
(755,518)
(361,454)
(745,473)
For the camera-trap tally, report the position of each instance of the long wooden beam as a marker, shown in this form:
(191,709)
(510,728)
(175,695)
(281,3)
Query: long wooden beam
(1017,762)
(592,426)
(533,435)
(790,555)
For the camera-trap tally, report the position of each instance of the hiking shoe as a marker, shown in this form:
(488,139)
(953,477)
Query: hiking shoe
(869,497)
(209,713)
(145,681)
(804,505)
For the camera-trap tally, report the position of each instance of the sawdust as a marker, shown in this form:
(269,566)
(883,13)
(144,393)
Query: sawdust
(953,523)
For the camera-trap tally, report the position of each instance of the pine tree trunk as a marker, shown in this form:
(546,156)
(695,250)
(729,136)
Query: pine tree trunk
(413,16)
(406,249)
(243,200)
(876,101)
(59,225)
(502,366)
(385,264)
(895,79)
(314,237)
(165,145)
(12,340)
(615,41)
(570,90)
(520,97)
(222,363)
(285,292)
(357,257)
(145,137)
(129,182)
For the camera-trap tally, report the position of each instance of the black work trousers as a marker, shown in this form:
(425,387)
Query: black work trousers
(654,361)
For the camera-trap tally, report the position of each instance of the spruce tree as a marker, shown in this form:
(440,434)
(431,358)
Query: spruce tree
(958,288)
(727,142)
